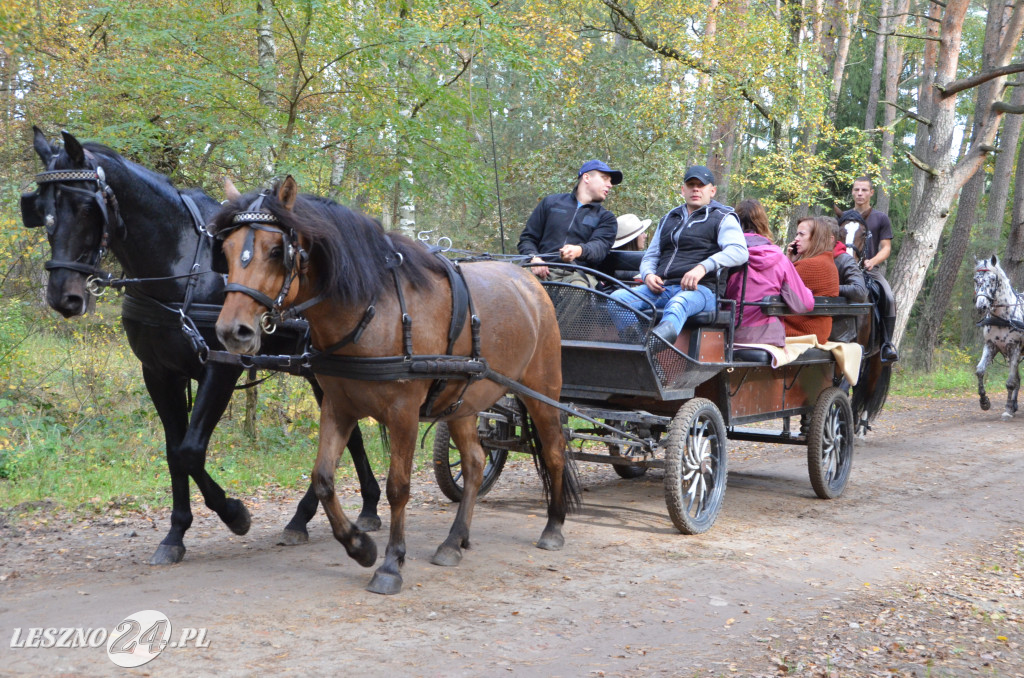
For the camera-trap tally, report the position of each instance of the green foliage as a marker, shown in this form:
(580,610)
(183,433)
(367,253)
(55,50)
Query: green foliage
(789,177)
(952,376)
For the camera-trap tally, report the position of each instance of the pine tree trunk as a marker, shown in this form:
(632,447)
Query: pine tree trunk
(1006,158)
(943,178)
(1015,243)
(249,425)
(893,68)
(953,251)
(871,115)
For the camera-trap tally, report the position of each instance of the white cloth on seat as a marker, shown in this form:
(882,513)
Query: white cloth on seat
(847,354)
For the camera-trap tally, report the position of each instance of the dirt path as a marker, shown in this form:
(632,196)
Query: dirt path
(783,583)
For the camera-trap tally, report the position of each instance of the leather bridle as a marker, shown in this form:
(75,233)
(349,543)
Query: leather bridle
(103,197)
(257,218)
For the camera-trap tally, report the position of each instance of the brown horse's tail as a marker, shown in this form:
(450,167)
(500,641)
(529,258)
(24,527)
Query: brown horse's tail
(571,493)
(871,391)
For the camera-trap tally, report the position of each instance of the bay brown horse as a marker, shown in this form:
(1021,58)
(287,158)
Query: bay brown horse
(372,296)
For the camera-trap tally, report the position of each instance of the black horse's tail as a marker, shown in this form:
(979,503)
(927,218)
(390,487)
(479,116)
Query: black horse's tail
(571,492)
(871,391)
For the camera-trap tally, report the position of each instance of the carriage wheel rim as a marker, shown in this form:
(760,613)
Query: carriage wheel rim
(699,466)
(833,448)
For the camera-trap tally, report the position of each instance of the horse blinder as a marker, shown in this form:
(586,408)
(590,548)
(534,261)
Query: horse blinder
(29,216)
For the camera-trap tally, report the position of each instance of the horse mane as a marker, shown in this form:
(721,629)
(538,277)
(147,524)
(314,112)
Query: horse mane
(350,251)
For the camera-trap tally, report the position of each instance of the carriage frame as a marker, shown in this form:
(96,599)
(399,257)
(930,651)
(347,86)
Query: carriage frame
(675,407)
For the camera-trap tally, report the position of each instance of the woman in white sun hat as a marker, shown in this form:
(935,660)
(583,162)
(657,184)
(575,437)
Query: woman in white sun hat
(623,262)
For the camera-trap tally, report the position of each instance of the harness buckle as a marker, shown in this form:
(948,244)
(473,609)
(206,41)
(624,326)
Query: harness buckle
(95,285)
(268,323)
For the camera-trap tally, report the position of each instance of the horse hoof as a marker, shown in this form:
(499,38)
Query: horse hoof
(985,404)
(242,521)
(447,556)
(167,555)
(362,549)
(368,523)
(293,537)
(385,583)
(551,541)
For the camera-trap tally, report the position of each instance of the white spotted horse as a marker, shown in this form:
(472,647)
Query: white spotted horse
(1002,328)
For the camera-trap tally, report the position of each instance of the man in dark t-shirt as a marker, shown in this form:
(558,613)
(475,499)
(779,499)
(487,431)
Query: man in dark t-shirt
(876,251)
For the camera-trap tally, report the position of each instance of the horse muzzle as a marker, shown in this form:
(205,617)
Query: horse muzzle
(239,336)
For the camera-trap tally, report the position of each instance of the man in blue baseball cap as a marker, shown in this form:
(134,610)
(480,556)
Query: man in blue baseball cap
(692,242)
(573,227)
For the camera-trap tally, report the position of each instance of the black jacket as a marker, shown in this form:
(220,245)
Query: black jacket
(556,221)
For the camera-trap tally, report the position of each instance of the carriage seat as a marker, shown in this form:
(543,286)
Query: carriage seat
(758,356)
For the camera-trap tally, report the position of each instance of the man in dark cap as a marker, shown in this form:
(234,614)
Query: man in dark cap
(573,227)
(692,242)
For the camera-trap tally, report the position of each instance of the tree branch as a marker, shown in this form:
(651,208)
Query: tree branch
(897,34)
(1003,107)
(921,164)
(967,83)
(909,113)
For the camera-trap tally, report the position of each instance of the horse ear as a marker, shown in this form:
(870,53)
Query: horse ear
(42,146)
(839,212)
(995,260)
(230,192)
(73,148)
(287,192)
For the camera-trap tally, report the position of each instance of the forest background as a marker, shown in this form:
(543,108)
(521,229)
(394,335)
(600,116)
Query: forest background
(453,117)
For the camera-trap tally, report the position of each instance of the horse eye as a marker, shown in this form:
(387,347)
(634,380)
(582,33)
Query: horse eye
(277,252)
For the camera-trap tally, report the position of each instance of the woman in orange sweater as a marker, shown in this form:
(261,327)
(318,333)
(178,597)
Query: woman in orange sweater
(811,252)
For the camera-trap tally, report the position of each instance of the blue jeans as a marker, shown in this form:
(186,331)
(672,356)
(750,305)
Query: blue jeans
(678,304)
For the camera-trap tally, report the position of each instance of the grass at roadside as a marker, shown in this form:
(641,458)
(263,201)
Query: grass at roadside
(78,431)
(952,376)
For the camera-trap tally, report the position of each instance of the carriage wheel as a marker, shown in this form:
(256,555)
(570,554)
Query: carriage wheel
(448,461)
(830,443)
(626,471)
(696,466)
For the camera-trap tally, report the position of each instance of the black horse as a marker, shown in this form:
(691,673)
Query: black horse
(90,198)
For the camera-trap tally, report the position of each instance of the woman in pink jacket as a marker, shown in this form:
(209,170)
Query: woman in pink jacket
(768,272)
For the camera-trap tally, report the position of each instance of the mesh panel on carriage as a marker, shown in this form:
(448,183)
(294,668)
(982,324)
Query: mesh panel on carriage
(585,314)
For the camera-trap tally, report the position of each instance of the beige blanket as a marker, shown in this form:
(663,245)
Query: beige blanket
(847,355)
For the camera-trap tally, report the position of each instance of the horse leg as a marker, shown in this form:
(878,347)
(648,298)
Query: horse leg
(212,398)
(1012,382)
(986,358)
(388,577)
(556,470)
(295,531)
(334,431)
(466,438)
(168,396)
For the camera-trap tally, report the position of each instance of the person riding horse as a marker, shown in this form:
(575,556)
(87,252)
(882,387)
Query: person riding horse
(858,242)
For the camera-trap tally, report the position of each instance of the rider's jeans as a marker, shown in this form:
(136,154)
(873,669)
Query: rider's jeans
(679,304)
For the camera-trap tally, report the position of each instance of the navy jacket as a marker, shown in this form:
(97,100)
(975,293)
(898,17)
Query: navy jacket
(557,221)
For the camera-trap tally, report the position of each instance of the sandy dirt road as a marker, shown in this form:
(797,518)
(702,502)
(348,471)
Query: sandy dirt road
(935,483)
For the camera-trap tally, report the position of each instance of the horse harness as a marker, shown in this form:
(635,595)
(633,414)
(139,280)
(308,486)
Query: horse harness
(187,314)
(102,196)
(992,320)
(440,368)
